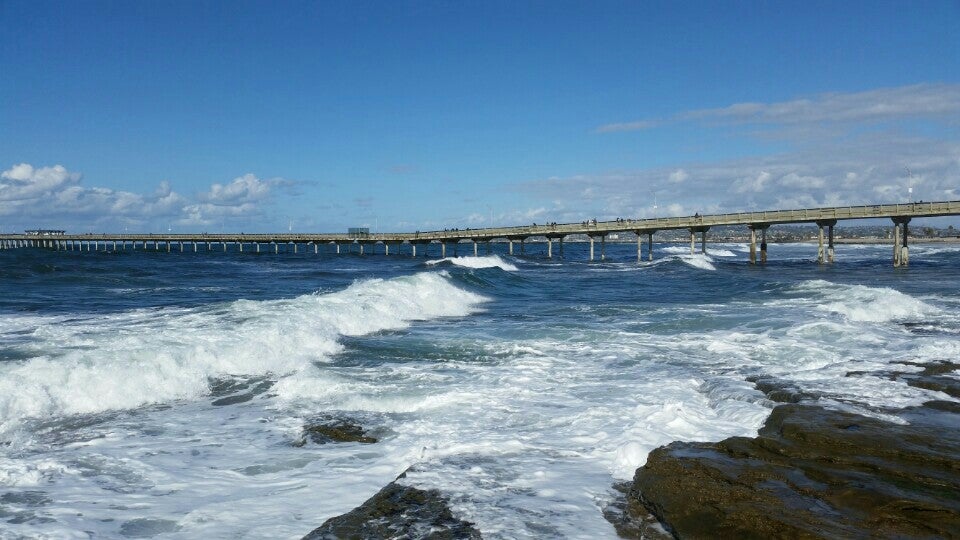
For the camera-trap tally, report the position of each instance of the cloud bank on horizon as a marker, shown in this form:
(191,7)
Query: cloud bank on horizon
(876,146)
(879,146)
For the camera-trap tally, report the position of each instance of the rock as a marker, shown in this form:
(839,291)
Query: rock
(334,431)
(631,519)
(398,512)
(812,473)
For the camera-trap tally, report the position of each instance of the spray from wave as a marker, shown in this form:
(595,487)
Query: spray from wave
(491,261)
(130,359)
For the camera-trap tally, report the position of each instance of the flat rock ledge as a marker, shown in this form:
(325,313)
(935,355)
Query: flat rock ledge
(398,512)
(813,472)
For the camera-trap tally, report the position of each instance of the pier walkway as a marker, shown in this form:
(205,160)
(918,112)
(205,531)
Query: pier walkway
(596,231)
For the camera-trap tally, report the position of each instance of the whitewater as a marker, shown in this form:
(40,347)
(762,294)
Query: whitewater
(163,395)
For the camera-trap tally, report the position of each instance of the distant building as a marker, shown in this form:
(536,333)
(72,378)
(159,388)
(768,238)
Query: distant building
(44,232)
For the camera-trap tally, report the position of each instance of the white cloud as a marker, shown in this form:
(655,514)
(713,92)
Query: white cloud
(243,189)
(53,196)
(919,100)
(627,126)
(678,176)
(24,182)
(794,180)
(753,183)
(933,101)
(866,171)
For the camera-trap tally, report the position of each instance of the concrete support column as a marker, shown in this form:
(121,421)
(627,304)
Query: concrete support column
(591,248)
(753,246)
(276,248)
(241,247)
(475,248)
(639,243)
(549,247)
(209,246)
(650,246)
(361,248)
(114,245)
(510,246)
(901,251)
(703,241)
(763,246)
(337,244)
(830,244)
(693,241)
(821,255)
(896,244)
(386,248)
(561,246)
(224,247)
(181,247)
(295,248)
(904,249)
(603,247)
(413,248)
(316,249)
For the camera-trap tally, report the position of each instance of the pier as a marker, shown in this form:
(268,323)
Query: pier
(596,232)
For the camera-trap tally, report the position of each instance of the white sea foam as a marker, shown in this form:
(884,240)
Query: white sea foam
(489,261)
(713,252)
(523,422)
(698,260)
(130,359)
(867,304)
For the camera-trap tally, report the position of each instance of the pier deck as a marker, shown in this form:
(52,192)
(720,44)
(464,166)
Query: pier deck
(825,218)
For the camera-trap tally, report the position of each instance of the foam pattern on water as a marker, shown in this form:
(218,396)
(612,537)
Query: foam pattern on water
(523,405)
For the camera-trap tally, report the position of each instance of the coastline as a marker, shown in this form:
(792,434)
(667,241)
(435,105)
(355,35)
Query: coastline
(812,471)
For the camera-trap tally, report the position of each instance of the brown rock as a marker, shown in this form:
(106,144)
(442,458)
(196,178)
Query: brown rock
(812,473)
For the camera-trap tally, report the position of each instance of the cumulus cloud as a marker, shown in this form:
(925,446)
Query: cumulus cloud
(866,172)
(243,189)
(24,182)
(54,196)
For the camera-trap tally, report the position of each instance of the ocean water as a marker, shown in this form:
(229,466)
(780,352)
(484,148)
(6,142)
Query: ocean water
(162,394)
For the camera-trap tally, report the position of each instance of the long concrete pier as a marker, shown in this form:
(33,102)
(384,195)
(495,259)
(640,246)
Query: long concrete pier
(596,232)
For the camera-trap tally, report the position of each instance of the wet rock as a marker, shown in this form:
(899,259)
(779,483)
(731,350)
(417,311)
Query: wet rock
(935,376)
(334,431)
(631,519)
(398,512)
(779,390)
(812,473)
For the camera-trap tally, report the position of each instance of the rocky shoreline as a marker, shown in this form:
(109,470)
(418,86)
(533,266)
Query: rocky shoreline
(811,472)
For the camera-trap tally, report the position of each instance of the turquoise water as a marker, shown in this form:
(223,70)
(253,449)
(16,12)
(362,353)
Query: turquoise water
(161,394)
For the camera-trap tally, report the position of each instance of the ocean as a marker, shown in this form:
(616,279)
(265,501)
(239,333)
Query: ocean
(165,395)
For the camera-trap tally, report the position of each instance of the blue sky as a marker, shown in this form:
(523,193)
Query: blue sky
(262,116)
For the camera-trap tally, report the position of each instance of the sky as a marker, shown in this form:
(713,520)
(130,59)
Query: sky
(202,116)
